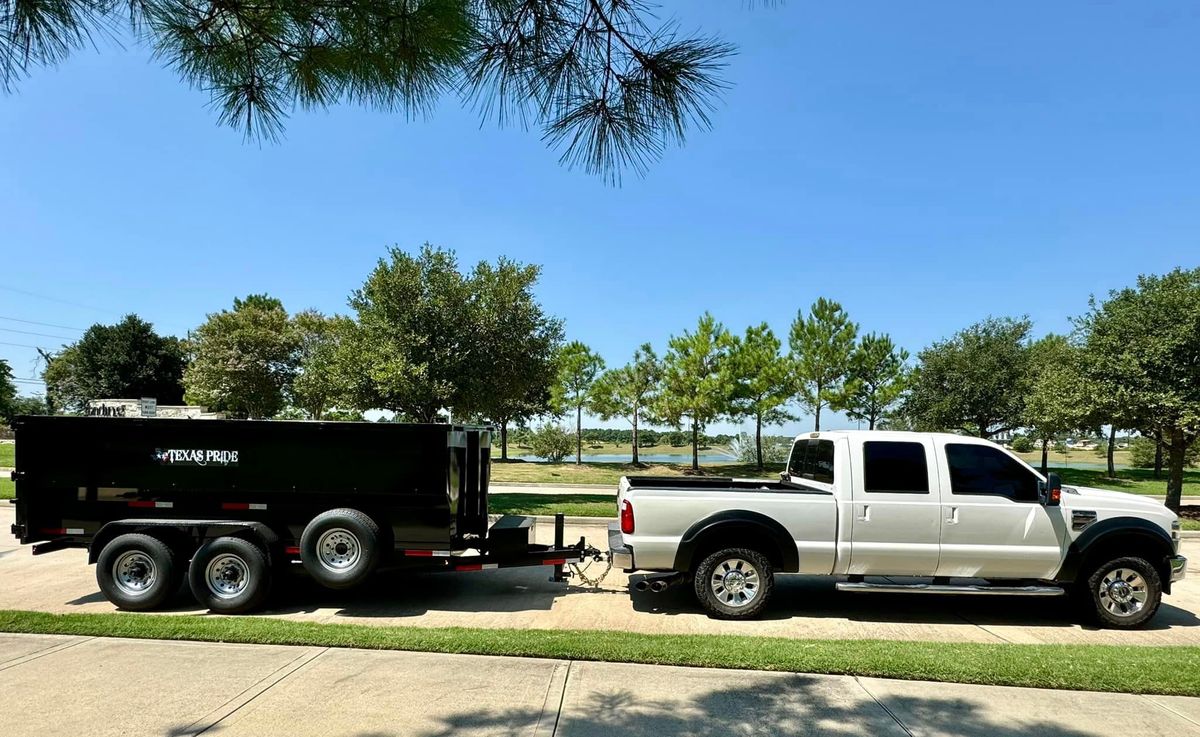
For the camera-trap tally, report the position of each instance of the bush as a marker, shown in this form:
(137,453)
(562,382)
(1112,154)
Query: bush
(551,442)
(1141,453)
(1022,444)
(775,448)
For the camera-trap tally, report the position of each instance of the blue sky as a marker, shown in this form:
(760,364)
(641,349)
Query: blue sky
(925,163)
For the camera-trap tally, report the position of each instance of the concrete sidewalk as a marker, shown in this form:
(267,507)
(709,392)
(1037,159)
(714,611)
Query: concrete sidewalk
(54,685)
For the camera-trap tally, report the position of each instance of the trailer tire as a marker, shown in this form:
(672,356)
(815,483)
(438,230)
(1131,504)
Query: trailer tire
(734,583)
(230,575)
(340,548)
(137,572)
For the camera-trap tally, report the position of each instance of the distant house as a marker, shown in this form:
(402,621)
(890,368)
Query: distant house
(148,407)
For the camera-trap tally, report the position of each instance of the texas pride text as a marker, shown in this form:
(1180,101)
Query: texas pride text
(196,457)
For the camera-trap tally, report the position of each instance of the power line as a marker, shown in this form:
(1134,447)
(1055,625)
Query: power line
(20,345)
(27,293)
(43,324)
(29,381)
(30,332)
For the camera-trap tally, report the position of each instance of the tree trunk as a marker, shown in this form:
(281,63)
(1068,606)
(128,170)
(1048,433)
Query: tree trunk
(1112,444)
(1158,455)
(635,438)
(504,440)
(578,434)
(695,446)
(1175,474)
(1045,455)
(871,422)
(758,439)
(817,418)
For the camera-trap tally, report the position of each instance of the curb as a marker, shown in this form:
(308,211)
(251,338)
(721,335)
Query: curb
(582,521)
(539,485)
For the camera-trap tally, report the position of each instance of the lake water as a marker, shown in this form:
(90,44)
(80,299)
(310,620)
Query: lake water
(643,457)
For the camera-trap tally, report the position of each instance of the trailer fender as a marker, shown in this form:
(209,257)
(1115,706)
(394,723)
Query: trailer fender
(192,531)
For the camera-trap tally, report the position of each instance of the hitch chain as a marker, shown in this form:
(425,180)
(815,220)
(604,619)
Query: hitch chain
(596,557)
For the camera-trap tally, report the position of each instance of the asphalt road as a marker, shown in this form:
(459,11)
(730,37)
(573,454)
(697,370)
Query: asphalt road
(804,607)
(98,687)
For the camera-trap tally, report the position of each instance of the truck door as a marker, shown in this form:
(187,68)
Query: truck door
(993,525)
(895,527)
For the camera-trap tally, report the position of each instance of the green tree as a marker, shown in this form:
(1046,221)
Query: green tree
(519,342)
(552,442)
(1141,346)
(822,344)
(127,360)
(244,359)
(1059,400)
(876,379)
(628,391)
(578,368)
(698,385)
(976,381)
(763,382)
(8,393)
(317,386)
(608,84)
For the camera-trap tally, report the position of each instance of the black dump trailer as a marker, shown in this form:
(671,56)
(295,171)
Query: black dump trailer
(223,502)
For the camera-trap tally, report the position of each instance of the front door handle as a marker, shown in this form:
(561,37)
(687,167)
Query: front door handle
(953,518)
(866,513)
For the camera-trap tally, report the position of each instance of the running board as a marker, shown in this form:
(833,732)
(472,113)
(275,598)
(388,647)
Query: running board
(930,588)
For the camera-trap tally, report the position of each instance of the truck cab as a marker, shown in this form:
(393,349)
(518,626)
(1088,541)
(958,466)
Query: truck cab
(914,506)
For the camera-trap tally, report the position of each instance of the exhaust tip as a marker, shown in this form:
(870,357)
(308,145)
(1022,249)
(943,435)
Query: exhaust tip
(642,585)
(658,587)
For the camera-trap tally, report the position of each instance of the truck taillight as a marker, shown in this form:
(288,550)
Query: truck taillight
(626,517)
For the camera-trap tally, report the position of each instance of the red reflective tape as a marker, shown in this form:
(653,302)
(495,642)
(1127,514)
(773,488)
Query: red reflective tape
(475,567)
(53,531)
(555,562)
(419,553)
(234,505)
(292,550)
(143,504)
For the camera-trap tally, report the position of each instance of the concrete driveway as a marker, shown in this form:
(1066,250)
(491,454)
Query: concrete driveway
(523,598)
(98,687)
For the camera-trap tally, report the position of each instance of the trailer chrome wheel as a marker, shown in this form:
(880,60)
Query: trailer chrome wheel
(137,572)
(734,583)
(338,549)
(341,548)
(134,573)
(230,575)
(227,576)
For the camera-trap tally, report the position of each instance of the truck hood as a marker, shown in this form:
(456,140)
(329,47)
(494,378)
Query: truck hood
(1114,500)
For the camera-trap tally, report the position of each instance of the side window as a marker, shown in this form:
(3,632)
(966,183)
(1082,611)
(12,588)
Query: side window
(895,468)
(978,469)
(812,459)
(796,462)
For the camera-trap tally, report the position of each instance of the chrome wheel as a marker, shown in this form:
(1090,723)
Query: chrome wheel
(227,575)
(735,582)
(1123,592)
(338,549)
(134,572)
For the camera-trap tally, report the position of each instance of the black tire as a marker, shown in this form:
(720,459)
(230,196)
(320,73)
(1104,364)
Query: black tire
(137,572)
(735,597)
(1109,595)
(340,548)
(230,575)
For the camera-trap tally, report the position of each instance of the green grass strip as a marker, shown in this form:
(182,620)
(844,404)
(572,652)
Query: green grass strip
(8,489)
(572,505)
(1158,670)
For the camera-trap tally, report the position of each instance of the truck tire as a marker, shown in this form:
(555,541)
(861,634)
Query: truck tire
(1121,593)
(734,583)
(137,572)
(340,548)
(230,575)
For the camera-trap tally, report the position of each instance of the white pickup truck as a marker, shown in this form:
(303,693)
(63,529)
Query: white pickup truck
(909,507)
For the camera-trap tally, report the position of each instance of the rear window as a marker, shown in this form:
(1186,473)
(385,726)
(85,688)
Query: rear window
(812,459)
(895,468)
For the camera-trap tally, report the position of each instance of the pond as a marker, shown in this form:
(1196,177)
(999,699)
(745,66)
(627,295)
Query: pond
(705,457)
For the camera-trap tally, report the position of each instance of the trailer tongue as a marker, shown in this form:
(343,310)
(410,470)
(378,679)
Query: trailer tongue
(226,501)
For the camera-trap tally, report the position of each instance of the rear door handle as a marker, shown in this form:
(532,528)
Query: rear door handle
(953,518)
(866,513)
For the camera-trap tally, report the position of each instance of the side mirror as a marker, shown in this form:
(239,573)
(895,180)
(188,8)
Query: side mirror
(783,475)
(1050,491)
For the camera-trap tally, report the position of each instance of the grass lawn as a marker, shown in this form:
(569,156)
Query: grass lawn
(1135,480)
(7,488)
(1160,670)
(611,473)
(572,505)
(614,449)
(1034,457)
(7,451)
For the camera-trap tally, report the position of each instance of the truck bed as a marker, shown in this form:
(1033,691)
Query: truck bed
(720,483)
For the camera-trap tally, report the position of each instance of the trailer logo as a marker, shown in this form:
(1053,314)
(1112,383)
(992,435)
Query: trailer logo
(195,457)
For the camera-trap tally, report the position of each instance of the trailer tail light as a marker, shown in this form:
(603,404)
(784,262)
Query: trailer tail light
(626,517)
